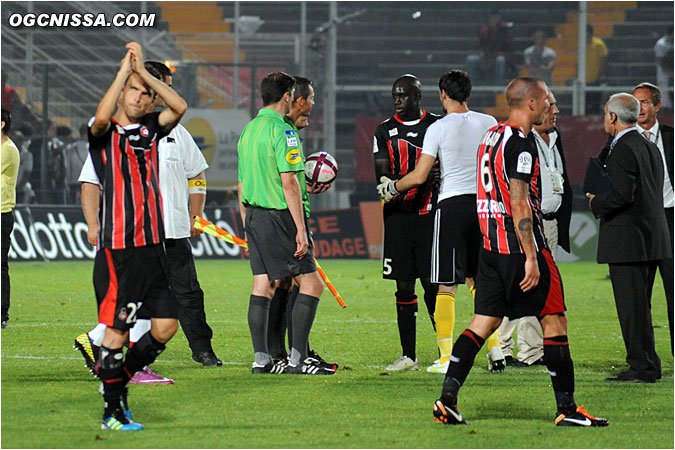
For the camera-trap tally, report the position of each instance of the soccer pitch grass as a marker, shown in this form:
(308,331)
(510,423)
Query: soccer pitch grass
(50,401)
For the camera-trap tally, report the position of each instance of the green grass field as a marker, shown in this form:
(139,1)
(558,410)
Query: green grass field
(50,401)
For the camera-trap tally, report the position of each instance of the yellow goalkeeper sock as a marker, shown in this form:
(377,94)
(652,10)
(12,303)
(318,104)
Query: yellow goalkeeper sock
(493,340)
(444,315)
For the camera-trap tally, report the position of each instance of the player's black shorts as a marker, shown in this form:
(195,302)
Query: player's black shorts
(407,245)
(131,283)
(498,292)
(271,244)
(457,240)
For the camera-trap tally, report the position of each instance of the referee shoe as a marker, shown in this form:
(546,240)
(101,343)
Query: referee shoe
(308,367)
(312,355)
(274,366)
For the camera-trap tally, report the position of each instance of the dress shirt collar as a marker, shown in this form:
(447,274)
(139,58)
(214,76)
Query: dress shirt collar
(654,130)
(618,135)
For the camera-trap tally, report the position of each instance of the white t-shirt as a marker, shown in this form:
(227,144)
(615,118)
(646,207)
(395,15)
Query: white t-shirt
(179,160)
(455,140)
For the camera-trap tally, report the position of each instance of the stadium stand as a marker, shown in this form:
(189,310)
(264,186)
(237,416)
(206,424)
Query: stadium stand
(377,43)
(80,66)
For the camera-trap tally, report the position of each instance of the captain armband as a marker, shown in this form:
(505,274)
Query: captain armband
(197,187)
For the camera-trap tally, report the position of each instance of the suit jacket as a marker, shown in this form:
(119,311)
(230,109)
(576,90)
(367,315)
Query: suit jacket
(667,138)
(633,225)
(564,213)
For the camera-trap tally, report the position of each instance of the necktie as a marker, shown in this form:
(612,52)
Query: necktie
(648,135)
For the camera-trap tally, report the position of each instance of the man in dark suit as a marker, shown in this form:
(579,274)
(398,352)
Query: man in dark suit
(633,233)
(649,97)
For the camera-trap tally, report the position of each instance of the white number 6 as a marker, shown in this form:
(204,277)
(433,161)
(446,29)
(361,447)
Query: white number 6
(485,172)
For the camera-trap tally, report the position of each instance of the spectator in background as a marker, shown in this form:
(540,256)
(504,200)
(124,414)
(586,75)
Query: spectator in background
(540,59)
(11,100)
(9,95)
(495,47)
(75,155)
(10,170)
(663,51)
(24,191)
(596,56)
(56,164)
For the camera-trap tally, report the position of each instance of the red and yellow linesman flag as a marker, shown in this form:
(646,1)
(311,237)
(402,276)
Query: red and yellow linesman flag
(210,228)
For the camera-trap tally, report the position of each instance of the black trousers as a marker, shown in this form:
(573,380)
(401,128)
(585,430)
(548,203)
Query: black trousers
(666,271)
(190,297)
(632,284)
(7,226)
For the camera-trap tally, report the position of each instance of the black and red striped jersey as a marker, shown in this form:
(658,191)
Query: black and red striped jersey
(506,153)
(125,160)
(400,144)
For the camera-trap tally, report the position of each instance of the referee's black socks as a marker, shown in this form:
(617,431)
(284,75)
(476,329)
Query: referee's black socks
(276,327)
(304,311)
(561,368)
(463,354)
(258,317)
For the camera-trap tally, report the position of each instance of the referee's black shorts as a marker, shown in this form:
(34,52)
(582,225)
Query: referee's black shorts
(131,283)
(457,240)
(271,244)
(407,245)
(498,292)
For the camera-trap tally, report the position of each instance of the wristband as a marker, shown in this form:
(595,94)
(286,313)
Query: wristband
(197,187)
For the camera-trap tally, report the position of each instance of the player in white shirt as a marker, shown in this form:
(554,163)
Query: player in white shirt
(454,140)
(182,184)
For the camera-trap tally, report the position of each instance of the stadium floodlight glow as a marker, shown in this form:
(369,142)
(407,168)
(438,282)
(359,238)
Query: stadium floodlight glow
(417,15)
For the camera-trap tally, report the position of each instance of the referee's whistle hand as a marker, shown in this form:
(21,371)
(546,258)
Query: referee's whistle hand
(301,245)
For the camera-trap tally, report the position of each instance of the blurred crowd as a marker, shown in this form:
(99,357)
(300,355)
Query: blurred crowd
(493,63)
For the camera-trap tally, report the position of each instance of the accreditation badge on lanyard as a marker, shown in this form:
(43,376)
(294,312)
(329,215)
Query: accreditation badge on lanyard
(557,183)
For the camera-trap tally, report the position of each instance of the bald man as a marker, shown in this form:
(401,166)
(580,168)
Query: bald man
(516,273)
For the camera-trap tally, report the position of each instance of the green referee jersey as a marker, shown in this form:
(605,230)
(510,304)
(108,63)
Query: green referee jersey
(269,146)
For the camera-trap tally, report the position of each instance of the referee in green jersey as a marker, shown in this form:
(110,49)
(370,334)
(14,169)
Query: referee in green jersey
(274,207)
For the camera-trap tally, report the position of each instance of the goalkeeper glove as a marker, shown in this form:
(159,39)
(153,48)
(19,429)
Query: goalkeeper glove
(387,189)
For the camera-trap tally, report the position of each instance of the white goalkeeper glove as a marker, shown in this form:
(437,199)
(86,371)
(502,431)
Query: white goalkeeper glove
(387,189)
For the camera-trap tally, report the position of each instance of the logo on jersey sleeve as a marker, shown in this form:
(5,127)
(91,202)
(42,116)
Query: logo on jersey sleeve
(293,156)
(291,139)
(524,163)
